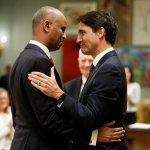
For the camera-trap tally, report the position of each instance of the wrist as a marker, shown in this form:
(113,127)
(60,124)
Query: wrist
(61,98)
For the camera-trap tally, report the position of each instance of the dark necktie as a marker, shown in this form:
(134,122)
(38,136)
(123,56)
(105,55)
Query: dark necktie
(91,68)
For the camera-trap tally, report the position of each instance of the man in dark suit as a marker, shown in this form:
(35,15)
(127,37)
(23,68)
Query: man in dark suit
(75,86)
(104,95)
(38,123)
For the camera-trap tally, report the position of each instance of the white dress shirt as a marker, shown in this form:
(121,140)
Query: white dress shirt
(43,47)
(83,82)
(100,55)
(6,133)
(134,92)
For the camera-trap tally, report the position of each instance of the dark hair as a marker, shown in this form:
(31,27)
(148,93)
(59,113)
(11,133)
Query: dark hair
(131,71)
(97,19)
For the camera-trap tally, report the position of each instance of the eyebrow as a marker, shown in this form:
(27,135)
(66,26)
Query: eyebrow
(81,30)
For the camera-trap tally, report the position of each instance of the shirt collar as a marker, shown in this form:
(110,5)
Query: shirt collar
(43,47)
(100,55)
(83,79)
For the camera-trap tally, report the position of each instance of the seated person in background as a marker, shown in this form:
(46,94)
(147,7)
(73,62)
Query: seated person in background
(133,95)
(6,127)
(74,88)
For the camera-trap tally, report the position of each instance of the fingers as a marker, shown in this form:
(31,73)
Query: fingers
(39,74)
(118,131)
(107,134)
(116,134)
(109,139)
(37,77)
(52,72)
(36,85)
(113,139)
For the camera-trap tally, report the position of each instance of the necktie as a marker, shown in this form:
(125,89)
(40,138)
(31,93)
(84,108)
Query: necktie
(91,69)
(51,60)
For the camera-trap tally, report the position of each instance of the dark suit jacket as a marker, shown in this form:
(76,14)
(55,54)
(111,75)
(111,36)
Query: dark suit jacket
(73,87)
(102,100)
(39,124)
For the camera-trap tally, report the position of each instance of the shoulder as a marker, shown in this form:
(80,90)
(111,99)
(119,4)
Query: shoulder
(75,80)
(72,82)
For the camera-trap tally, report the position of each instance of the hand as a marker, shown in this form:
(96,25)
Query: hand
(46,84)
(107,134)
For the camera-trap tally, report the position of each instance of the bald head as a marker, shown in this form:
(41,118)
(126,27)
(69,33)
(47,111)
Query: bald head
(46,12)
(48,27)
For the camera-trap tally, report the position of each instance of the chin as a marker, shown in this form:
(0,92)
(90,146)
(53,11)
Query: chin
(83,50)
(57,48)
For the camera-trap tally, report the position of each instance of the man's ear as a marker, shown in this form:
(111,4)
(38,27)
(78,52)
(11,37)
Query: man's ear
(46,26)
(101,32)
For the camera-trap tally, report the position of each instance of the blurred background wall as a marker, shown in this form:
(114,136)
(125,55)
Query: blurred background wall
(15,27)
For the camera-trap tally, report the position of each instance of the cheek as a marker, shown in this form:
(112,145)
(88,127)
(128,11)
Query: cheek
(82,67)
(91,41)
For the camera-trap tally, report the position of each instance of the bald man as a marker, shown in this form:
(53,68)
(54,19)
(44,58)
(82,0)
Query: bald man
(39,124)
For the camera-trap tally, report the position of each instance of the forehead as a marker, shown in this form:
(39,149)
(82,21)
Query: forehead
(83,27)
(127,69)
(3,93)
(61,20)
(85,57)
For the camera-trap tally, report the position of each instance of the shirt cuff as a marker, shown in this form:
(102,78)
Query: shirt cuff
(59,105)
(94,137)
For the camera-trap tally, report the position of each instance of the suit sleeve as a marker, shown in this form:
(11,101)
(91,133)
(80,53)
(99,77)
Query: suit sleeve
(46,110)
(102,100)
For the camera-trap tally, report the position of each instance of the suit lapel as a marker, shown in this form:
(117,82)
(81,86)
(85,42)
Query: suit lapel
(37,48)
(78,87)
(101,61)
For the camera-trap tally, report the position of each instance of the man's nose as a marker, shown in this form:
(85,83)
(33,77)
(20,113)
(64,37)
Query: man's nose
(87,64)
(78,39)
(64,35)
